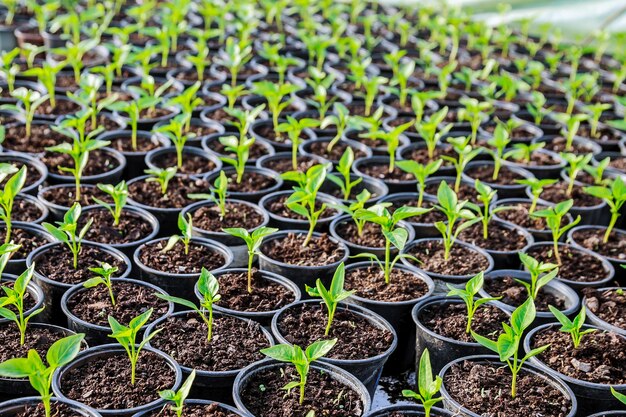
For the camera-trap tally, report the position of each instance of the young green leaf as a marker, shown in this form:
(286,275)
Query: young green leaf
(426,385)
(104,272)
(573,327)
(468,295)
(179,397)
(66,231)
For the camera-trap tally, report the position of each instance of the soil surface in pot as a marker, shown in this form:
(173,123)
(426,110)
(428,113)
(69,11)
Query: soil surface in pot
(381,172)
(25,211)
(28,241)
(500,238)
(176,261)
(371,236)
(57,264)
(125,144)
(66,196)
(176,196)
(94,304)
(192,164)
(558,144)
(104,382)
(484,173)
(600,357)
(539,159)
(237,215)
(357,337)
(131,228)
(251,182)
(450,320)
(514,294)
(266,295)
(421,154)
(593,239)
(519,214)
(56,410)
(320,251)
(279,208)
(257,150)
(99,162)
(485,389)
(369,282)
(558,192)
(32,174)
(575,265)
(429,217)
(194,410)
(62,107)
(282,165)
(234,344)
(608,305)
(462,260)
(466,191)
(41,137)
(36,338)
(335,154)
(264,395)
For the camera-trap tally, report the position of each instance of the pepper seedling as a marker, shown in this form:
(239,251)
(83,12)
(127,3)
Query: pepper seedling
(522,152)
(465,154)
(468,295)
(427,386)
(119,195)
(66,231)
(499,142)
(418,103)
(104,272)
(554,216)
(132,110)
(217,195)
(188,101)
(541,273)
(62,352)
(14,297)
(576,164)
(127,337)
(185,225)
(241,149)
(344,167)
(571,125)
(236,55)
(536,188)
(507,345)
(7,195)
(341,119)
(614,195)
(209,288)
(178,397)
(597,171)
(31,100)
(47,76)
(421,172)
(573,327)
(474,112)
(300,359)
(486,195)
(332,296)
(275,95)
(353,208)
(536,108)
(392,139)
(174,130)
(294,127)
(253,241)
(161,176)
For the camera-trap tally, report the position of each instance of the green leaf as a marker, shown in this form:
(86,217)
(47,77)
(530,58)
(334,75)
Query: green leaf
(64,350)
(283,353)
(318,349)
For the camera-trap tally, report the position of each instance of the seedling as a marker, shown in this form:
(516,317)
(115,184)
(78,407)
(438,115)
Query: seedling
(399,81)
(185,226)
(536,188)
(554,216)
(595,113)
(179,397)
(320,82)
(597,171)
(253,241)
(132,110)
(104,272)
(572,124)
(31,100)
(62,352)
(396,236)
(236,55)
(421,172)
(188,101)
(127,336)
(9,69)
(175,132)
(486,195)
(615,196)
(209,288)
(620,397)
(340,119)
(418,103)
(241,148)
(431,133)
(474,112)
(275,95)
(218,194)
(454,211)
(162,176)
(536,108)
(300,359)
(541,273)
(14,297)
(66,231)
(522,152)
(573,327)
(392,139)
(353,208)
(507,346)
(47,76)
(576,164)
(465,154)
(426,385)
(7,195)
(345,182)
(331,296)
(119,195)
(499,142)
(468,295)
(294,127)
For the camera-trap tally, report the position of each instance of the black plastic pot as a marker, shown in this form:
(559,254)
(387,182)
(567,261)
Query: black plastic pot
(17,265)
(305,147)
(408,410)
(96,334)
(223,407)
(579,285)
(394,186)
(54,290)
(344,377)
(543,171)
(301,224)
(187,150)
(35,168)
(211,385)
(588,215)
(57,211)
(179,285)
(596,321)
(256,195)
(108,351)
(448,278)
(44,212)
(376,188)
(609,414)
(262,317)
(457,409)
(504,191)
(15,407)
(110,177)
(300,275)
(590,396)
(213,139)
(618,264)
(367,370)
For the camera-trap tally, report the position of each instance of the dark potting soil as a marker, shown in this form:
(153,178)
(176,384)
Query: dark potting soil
(99,162)
(519,214)
(192,164)
(335,154)
(618,163)
(57,264)
(41,137)
(104,382)
(250,182)
(66,196)
(279,208)
(421,154)
(234,344)
(221,116)
(462,260)
(429,217)
(32,174)
(176,261)
(62,107)
(125,144)
(36,338)
(593,239)
(320,251)
(371,236)
(485,388)
(499,238)
(268,132)
(194,410)
(484,173)
(157,112)
(131,228)
(237,215)
(558,145)
(602,134)
(94,304)
(608,305)
(514,294)
(266,295)
(282,165)
(357,337)
(56,410)
(257,150)
(575,265)
(369,282)
(539,159)
(149,192)
(264,397)
(557,193)
(25,211)
(108,123)
(600,358)
(381,172)
(466,191)
(450,320)
(28,241)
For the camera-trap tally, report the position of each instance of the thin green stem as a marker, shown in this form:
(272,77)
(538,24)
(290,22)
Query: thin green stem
(609,229)
(250,260)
